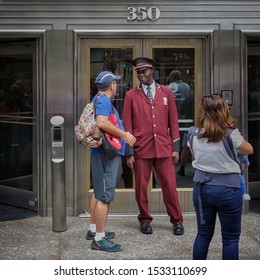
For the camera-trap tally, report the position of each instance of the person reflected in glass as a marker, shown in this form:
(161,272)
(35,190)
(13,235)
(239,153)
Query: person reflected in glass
(183,97)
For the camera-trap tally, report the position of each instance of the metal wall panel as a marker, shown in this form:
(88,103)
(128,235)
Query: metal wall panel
(64,22)
(103,15)
(60,95)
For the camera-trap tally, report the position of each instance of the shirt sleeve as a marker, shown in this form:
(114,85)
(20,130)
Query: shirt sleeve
(237,138)
(103,106)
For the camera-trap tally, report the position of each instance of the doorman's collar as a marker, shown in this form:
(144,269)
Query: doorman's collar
(141,88)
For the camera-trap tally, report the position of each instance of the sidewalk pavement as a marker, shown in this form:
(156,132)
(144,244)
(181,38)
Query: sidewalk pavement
(32,238)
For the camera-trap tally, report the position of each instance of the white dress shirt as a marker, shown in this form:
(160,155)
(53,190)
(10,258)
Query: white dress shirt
(152,87)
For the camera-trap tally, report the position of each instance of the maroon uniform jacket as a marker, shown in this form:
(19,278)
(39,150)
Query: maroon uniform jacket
(155,125)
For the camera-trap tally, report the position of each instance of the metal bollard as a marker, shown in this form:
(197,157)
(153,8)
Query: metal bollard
(58,175)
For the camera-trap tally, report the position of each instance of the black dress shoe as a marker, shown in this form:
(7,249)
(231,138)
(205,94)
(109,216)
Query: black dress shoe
(178,229)
(146,228)
(181,171)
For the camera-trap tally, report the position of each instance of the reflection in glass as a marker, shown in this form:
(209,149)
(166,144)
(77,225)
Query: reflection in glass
(254,115)
(169,59)
(117,61)
(16,121)
(180,60)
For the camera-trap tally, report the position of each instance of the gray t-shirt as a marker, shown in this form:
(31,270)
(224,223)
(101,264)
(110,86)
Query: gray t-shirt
(213,157)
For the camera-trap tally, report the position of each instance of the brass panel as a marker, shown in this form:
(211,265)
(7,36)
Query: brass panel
(124,201)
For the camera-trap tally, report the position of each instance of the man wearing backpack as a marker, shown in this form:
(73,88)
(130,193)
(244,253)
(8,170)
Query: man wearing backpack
(104,170)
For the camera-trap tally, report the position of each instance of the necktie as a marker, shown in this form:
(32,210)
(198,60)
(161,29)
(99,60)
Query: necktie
(149,94)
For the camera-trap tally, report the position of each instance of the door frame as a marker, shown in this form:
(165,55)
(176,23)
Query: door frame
(15,196)
(253,187)
(185,194)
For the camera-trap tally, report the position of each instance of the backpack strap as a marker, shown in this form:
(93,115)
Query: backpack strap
(228,144)
(94,100)
(191,133)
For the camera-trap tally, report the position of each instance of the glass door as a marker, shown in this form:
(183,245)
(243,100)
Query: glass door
(254,118)
(17,62)
(184,56)
(116,55)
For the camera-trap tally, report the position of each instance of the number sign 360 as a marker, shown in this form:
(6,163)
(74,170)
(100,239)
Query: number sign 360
(142,13)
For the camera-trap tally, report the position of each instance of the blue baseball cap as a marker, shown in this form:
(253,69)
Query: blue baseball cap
(105,78)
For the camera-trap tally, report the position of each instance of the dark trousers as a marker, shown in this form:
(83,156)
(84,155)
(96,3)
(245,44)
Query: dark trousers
(226,202)
(164,168)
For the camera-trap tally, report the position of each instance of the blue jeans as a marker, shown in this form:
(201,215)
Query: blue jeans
(227,203)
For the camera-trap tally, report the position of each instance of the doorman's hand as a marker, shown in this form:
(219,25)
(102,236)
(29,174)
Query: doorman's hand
(130,161)
(175,157)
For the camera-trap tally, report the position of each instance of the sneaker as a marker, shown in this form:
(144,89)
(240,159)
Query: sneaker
(108,234)
(106,245)
(246,197)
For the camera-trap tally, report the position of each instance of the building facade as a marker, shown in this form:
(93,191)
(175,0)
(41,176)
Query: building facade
(51,50)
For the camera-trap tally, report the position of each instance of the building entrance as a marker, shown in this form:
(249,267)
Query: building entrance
(17,62)
(254,116)
(116,55)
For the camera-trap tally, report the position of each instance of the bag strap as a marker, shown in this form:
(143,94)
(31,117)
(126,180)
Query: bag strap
(94,100)
(112,110)
(227,142)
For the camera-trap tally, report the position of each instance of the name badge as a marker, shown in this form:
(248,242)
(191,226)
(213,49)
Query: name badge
(165,102)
